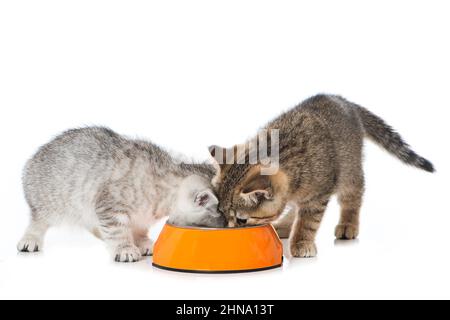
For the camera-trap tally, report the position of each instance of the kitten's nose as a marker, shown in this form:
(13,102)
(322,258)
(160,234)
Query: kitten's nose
(241,222)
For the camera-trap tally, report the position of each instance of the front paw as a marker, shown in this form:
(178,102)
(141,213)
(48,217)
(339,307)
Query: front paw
(347,232)
(145,247)
(29,244)
(304,249)
(128,253)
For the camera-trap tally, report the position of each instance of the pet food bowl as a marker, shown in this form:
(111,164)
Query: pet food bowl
(231,250)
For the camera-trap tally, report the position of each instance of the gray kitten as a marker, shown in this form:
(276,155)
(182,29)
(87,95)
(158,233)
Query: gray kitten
(116,188)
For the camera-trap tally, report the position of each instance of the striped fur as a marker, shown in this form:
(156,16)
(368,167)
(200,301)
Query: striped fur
(321,146)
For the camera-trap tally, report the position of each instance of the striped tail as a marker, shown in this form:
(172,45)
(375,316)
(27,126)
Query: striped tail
(384,135)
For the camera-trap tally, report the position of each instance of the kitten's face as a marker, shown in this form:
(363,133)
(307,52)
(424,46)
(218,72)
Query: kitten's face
(196,205)
(248,198)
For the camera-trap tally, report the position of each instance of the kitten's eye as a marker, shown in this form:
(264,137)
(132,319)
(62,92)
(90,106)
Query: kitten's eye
(241,221)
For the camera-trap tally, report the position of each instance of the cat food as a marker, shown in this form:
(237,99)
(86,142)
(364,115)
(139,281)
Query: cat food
(231,250)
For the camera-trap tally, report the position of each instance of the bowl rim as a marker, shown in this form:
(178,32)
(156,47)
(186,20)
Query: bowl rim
(217,229)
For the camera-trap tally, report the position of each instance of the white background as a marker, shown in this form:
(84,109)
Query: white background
(187,74)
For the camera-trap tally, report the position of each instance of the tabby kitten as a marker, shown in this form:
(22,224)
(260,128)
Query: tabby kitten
(116,188)
(320,154)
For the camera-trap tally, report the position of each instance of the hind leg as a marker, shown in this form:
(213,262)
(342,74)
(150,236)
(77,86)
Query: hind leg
(33,239)
(350,196)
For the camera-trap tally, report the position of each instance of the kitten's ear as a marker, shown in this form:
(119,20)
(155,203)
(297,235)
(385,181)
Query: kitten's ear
(257,190)
(205,199)
(257,196)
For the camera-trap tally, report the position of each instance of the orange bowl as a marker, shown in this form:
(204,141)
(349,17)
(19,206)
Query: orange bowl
(228,250)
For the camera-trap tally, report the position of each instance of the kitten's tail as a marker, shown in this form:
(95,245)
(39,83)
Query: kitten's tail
(384,135)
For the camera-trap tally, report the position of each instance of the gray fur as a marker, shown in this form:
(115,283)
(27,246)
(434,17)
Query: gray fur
(115,187)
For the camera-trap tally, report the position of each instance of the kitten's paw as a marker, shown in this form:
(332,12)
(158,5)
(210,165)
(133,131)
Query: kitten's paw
(129,253)
(29,244)
(146,247)
(304,249)
(347,232)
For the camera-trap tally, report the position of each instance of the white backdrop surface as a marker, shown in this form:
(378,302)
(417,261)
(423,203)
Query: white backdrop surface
(188,74)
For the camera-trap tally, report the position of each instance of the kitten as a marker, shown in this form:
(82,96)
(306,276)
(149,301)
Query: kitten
(116,188)
(320,154)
